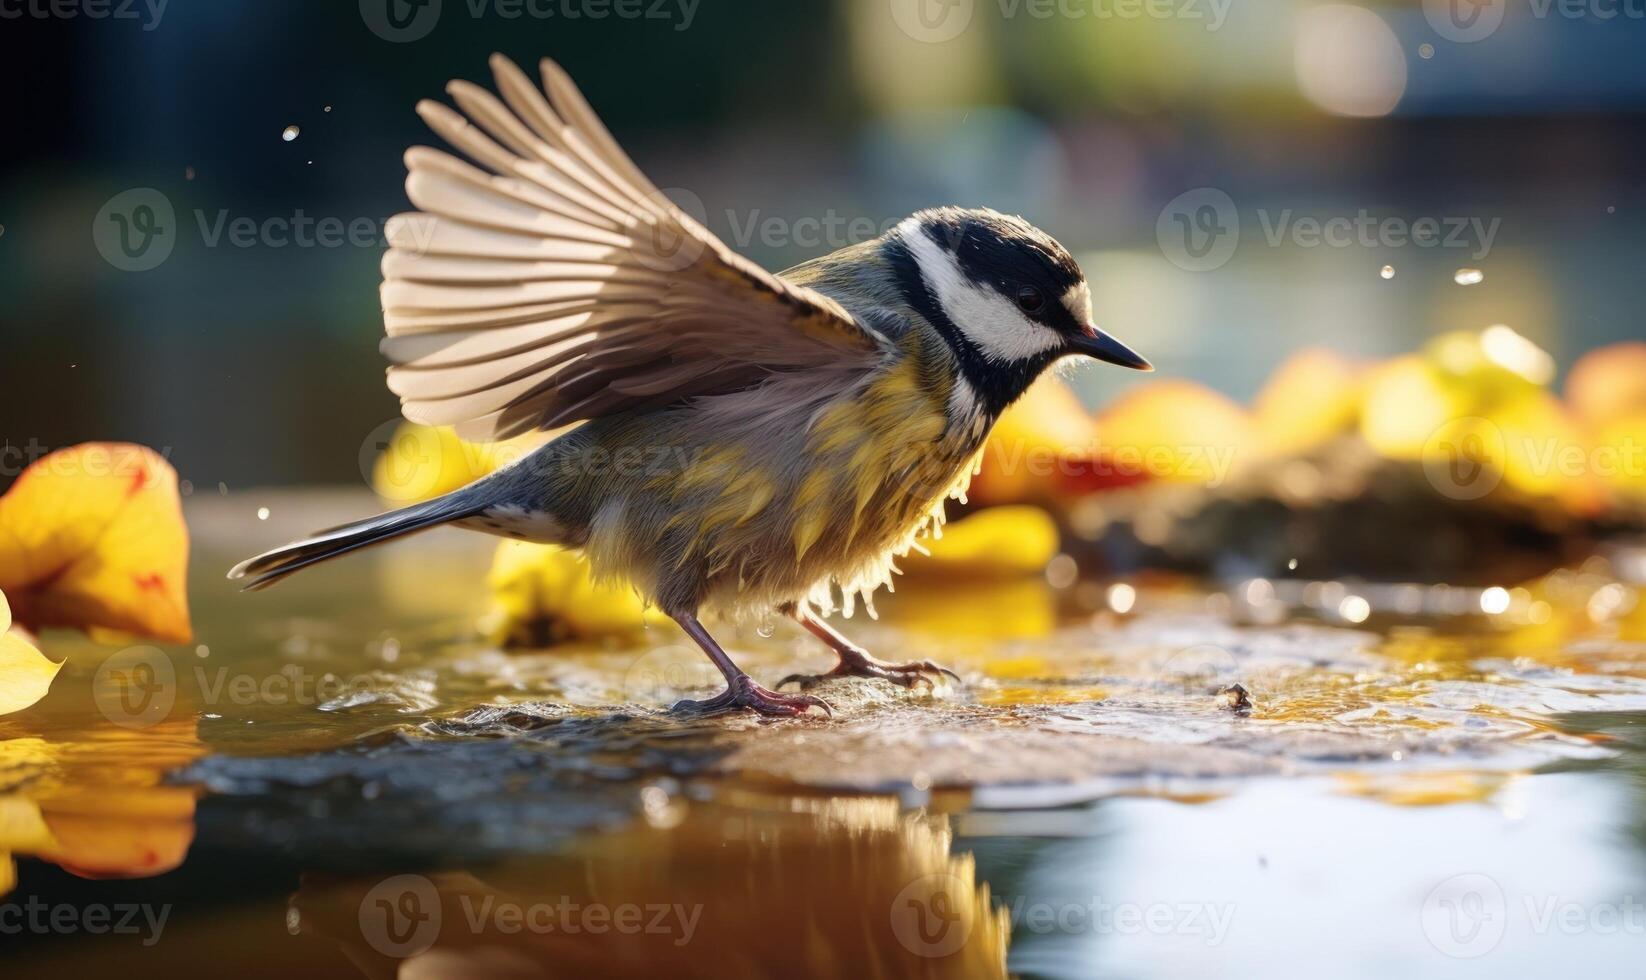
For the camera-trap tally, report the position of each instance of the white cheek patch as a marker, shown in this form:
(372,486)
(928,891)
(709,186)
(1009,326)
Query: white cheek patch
(987,318)
(1079,301)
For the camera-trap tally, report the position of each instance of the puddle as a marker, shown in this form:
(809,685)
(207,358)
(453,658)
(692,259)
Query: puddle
(343,760)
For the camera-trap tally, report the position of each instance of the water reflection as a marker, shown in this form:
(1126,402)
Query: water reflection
(823,887)
(96,803)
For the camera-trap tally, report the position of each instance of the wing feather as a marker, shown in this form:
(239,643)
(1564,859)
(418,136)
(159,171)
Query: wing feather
(547,280)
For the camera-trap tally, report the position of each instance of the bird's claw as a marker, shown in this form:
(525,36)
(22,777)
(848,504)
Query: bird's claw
(745,693)
(903,675)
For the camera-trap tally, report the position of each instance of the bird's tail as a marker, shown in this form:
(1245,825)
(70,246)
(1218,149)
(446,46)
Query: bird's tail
(272,566)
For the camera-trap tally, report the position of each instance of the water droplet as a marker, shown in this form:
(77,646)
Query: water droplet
(262,513)
(1425,50)
(766,628)
(1468,277)
(328,108)
(289,133)
(1292,564)
(1387,272)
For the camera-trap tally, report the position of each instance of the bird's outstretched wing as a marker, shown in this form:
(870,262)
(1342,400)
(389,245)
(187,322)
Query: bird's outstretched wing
(553,282)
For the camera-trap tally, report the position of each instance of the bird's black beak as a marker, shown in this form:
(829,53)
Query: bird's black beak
(1095,343)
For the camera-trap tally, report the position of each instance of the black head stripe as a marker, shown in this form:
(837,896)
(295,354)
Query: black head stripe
(997,385)
(1006,253)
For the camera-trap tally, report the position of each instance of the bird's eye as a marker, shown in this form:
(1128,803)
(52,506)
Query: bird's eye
(1029,299)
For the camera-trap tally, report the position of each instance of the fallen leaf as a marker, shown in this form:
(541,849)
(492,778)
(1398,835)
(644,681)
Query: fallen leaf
(421,462)
(1176,431)
(25,673)
(1044,435)
(1609,383)
(1310,399)
(543,594)
(989,545)
(92,537)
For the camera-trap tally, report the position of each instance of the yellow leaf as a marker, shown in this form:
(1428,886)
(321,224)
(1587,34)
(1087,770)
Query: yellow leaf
(1311,398)
(1045,427)
(1406,402)
(997,543)
(1176,431)
(93,536)
(421,462)
(542,594)
(1609,383)
(25,673)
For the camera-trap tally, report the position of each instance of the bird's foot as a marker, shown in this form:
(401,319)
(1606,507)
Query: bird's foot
(743,692)
(858,664)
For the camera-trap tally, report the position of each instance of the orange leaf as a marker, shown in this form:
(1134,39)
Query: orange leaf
(92,537)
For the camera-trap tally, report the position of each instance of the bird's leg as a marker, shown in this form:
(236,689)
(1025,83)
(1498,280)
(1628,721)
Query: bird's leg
(741,690)
(855,661)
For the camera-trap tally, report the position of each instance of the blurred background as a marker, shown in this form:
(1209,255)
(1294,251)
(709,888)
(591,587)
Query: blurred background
(1334,620)
(1184,149)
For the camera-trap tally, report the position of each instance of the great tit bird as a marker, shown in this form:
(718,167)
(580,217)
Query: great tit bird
(749,441)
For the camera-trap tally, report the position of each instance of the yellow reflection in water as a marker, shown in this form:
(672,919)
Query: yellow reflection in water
(1424,788)
(821,887)
(95,804)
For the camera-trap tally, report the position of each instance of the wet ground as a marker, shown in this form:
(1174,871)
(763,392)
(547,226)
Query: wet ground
(343,779)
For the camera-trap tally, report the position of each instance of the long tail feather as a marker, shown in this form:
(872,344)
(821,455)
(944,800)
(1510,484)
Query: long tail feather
(272,566)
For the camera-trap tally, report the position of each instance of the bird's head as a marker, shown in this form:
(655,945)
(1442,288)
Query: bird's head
(1005,295)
